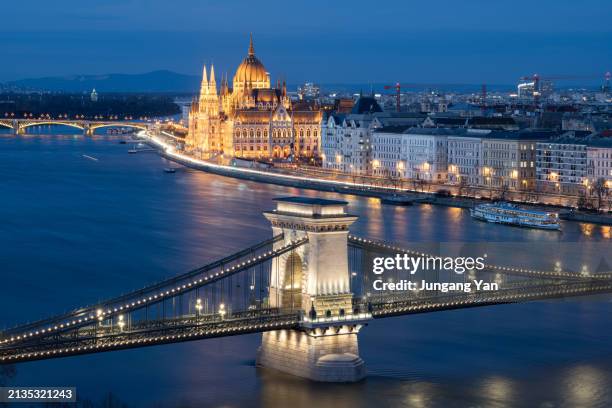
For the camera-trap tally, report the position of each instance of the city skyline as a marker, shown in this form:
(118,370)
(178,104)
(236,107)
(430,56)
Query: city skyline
(467,44)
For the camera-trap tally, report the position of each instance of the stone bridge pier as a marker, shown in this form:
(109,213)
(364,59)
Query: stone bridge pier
(314,279)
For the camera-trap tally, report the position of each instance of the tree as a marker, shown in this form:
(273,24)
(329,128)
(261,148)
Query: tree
(582,200)
(503,193)
(463,184)
(600,189)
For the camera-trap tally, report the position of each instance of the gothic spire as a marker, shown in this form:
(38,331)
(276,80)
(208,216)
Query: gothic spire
(251,48)
(204,76)
(204,86)
(213,82)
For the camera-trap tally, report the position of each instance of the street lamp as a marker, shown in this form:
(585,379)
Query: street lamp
(121,323)
(198,307)
(222,310)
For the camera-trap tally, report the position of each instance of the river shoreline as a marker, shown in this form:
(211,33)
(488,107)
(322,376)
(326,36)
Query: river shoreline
(338,187)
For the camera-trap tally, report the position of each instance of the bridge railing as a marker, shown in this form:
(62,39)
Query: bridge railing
(158,332)
(380,247)
(236,283)
(391,306)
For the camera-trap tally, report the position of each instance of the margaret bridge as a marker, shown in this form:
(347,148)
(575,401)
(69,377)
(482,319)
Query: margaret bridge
(308,289)
(88,127)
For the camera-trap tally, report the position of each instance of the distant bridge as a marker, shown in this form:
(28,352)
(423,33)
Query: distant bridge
(308,289)
(87,126)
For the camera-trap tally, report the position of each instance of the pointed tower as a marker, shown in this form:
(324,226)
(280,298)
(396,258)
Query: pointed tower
(212,84)
(251,47)
(203,86)
(223,89)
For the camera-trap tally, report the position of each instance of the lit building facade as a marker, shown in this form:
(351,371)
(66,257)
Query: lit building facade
(251,119)
(464,156)
(425,154)
(509,159)
(599,157)
(347,144)
(387,152)
(562,166)
(348,139)
(571,165)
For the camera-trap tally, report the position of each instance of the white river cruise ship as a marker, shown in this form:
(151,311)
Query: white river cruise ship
(506,213)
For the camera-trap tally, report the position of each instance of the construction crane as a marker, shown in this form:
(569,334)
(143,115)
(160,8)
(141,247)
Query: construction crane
(398,94)
(483,98)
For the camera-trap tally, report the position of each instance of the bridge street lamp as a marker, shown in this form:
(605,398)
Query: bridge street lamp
(121,323)
(222,310)
(198,307)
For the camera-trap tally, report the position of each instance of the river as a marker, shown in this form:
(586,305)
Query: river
(81,220)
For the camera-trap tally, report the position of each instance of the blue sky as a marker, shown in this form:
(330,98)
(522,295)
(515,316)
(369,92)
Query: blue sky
(469,41)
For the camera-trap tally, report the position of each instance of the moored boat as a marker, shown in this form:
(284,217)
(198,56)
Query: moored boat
(510,214)
(396,200)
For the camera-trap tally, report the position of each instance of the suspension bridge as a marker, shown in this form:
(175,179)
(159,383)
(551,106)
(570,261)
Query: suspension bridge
(308,289)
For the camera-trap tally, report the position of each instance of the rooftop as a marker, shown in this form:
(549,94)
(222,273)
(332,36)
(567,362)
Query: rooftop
(393,129)
(486,134)
(310,201)
(591,141)
(366,104)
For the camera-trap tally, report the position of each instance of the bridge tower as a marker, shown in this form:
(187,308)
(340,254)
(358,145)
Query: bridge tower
(314,279)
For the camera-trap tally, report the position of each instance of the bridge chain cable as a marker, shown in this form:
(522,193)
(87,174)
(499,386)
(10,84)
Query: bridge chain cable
(381,309)
(147,289)
(150,295)
(375,245)
(178,330)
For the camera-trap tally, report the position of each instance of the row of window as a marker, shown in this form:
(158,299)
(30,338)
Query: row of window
(275,133)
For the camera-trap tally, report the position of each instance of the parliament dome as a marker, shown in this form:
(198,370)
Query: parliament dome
(251,72)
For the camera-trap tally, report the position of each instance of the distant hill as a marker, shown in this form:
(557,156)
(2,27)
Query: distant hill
(156,81)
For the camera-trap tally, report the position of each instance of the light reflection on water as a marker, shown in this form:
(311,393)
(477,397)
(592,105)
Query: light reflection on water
(102,228)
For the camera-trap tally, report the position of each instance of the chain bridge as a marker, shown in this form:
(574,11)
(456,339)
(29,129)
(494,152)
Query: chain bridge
(308,289)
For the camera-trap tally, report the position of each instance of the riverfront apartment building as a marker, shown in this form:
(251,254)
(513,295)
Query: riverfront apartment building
(425,154)
(495,159)
(599,157)
(475,157)
(509,159)
(387,152)
(464,156)
(571,165)
(347,139)
(562,165)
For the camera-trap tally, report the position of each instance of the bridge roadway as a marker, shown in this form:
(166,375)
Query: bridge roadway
(88,126)
(102,327)
(149,295)
(370,244)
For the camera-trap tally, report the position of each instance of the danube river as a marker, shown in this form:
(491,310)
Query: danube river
(81,220)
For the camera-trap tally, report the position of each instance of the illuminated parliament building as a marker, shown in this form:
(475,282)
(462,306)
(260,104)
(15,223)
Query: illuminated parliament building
(251,119)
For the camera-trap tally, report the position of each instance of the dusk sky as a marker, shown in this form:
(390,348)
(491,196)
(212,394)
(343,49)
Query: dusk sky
(472,41)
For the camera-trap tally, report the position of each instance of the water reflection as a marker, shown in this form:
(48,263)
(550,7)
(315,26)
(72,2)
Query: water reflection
(584,386)
(498,391)
(103,228)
